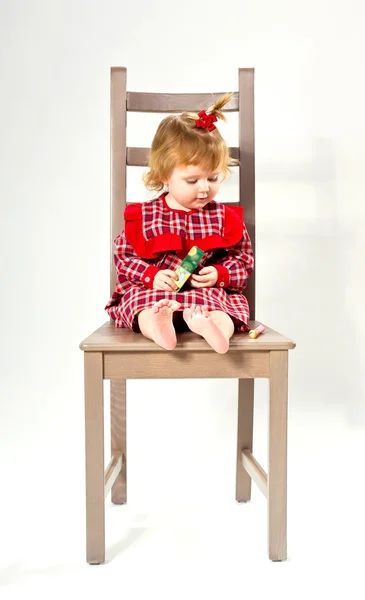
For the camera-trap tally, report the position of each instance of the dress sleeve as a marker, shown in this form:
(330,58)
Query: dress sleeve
(130,267)
(235,267)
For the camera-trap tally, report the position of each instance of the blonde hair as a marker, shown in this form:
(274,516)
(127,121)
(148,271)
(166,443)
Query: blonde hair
(178,141)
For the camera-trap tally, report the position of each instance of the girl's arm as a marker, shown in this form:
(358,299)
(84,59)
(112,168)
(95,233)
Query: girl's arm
(130,267)
(236,266)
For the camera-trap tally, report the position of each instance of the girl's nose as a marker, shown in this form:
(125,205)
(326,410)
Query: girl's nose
(203,186)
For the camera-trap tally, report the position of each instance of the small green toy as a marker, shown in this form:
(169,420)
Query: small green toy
(188,266)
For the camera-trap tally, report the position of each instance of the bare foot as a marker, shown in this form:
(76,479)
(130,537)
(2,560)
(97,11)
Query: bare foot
(199,320)
(163,330)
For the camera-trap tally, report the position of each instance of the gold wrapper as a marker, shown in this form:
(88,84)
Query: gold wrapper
(253,334)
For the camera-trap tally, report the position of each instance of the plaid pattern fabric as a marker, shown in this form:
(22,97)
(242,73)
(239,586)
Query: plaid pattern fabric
(158,219)
(131,296)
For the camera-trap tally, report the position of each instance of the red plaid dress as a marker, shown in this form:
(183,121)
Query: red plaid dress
(158,237)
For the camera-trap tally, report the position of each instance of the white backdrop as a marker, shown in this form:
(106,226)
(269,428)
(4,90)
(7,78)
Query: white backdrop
(54,190)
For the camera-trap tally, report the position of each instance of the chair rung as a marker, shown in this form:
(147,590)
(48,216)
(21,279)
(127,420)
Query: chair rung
(255,471)
(112,471)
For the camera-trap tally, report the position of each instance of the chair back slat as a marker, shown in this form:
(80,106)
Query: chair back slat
(176,103)
(122,101)
(138,157)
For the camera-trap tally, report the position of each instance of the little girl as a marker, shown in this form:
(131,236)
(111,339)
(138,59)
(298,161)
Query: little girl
(189,159)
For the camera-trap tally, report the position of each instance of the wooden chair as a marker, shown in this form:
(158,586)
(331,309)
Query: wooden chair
(120,354)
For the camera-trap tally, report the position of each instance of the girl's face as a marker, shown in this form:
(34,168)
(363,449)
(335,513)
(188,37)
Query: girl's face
(190,187)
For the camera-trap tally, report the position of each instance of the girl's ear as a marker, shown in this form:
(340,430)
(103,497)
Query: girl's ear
(166,180)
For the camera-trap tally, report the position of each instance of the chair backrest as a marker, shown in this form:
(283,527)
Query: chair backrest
(122,156)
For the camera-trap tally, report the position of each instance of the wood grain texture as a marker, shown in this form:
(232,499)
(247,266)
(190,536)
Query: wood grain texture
(112,471)
(277,457)
(138,157)
(190,365)
(247,169)
(118,436)
(94,458)
(255,470)
(118,160)
(176,103)
(244,436)
(109,338)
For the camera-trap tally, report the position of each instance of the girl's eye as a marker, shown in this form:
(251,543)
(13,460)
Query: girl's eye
(210,179)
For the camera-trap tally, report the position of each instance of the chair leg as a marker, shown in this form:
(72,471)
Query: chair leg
(118,424)
(94,448)
(244,436)
(277,459)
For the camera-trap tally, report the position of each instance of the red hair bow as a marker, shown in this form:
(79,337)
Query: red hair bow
(206,121)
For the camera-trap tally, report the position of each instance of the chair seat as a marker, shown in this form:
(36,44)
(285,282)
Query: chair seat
(109,338)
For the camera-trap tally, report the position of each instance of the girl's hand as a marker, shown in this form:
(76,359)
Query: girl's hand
(207,277)
(165,280)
